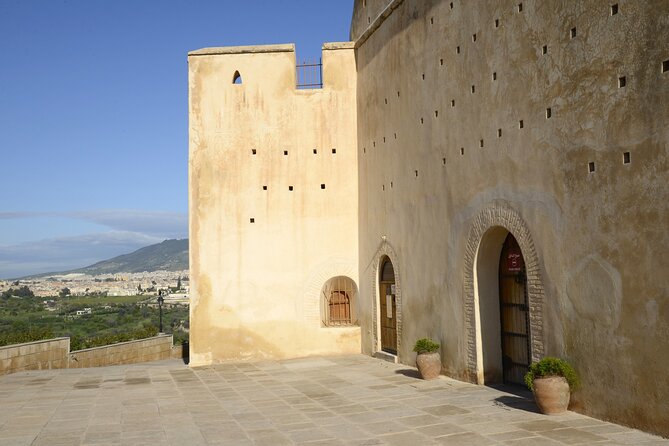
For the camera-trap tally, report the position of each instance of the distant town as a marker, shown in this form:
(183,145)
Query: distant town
(173,284)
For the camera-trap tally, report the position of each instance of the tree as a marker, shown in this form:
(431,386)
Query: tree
(64,292)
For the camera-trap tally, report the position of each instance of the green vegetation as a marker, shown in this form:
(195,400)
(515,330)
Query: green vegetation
(426,345)
(111,319)
(552,367)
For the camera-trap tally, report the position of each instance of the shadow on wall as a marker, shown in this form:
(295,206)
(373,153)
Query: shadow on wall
(184,352)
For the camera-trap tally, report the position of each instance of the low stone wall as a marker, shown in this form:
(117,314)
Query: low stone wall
(38,355)
(55,354)
(141,350)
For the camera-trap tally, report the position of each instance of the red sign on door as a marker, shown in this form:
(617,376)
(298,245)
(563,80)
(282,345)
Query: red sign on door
(514,261)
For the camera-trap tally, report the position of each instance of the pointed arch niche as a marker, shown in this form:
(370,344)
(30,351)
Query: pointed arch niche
(484,244)
(237,78)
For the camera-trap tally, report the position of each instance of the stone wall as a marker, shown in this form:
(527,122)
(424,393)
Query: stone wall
(546,119)
(273,202)
(55,354)
(140,350)
(38,355)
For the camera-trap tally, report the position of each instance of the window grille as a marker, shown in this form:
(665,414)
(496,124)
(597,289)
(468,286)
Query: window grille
(338,296)
(310,75)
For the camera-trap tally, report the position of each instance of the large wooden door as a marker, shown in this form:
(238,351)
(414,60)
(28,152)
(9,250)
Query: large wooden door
(387,308)
(514,311)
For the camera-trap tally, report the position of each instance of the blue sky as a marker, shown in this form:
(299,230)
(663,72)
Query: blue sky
(93,116)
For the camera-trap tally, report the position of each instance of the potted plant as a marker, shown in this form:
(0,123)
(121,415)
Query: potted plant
(428,359)
(551,380)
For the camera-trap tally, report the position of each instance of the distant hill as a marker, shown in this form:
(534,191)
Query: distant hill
(170,255)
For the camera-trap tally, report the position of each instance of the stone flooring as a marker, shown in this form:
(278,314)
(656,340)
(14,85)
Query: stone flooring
(347,400)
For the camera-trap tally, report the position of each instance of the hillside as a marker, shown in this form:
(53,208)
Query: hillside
(170,255)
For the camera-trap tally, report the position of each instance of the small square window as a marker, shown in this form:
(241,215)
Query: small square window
(285,152)
(473,37)
(441,61)
(462,150)
(494,75)
(457,49)
(496,23)
(622,81)
(473,88)
(452,102)
(544,49)
(264,188)
(322,186)
(591,166)
(572,33)
(431,20)
(253,151)
(627,158)
(499,133)
(290,188)
(521,124)
(481,143)
(549,113)
(315,151)
(665,66)
(451,5)
(252,220)
(520,7)
(334,151)
(614,9)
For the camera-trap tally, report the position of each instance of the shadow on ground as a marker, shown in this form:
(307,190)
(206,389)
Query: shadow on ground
(411,373)
(520,398)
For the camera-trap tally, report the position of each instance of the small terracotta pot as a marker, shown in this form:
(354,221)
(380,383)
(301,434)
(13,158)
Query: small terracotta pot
(429,365)
(551,394)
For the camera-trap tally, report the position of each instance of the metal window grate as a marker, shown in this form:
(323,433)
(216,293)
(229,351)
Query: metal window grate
(338,294)
(310,75)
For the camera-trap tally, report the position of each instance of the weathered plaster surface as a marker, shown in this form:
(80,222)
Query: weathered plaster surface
(600,238)
(256,287)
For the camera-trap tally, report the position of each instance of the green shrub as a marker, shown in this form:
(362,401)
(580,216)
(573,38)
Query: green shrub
(80,343)
(27,335)
(552,367)
(426,345)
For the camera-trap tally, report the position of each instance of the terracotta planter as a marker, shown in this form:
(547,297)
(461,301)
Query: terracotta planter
(429,365)
(551,394)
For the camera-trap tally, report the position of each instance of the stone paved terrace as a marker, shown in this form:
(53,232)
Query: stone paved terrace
(348,400)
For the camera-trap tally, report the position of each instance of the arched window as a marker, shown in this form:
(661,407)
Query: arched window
(237,78)
(337,302)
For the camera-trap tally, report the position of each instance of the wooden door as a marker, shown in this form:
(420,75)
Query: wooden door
(514,312)
(387,308)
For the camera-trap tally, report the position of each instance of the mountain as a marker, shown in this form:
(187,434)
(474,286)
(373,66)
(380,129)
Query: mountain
(170,255)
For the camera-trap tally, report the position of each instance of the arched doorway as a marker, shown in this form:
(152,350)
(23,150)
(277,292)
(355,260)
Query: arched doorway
(514,312)
(387,307)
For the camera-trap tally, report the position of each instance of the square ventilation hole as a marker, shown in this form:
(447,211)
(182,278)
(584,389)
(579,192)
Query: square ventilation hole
(398,94)
(572,33)
(627,158)
(252,220)
(436,113)
(614,9)
(457,49)
(481,143)
(253,151)
(385,100)
(441,62)
(423,76)
(443,161)
(290,188)
(395,135)
(264,188)
(364,150)
(334,151)
(415,173)
(549,113)
(384,139)
(474,37)
(285,153)
(473,88)
(383,187)
(421,120)
(521,124)
(373,143)
(544,49)
(431,20)
(665,66)
(451,5)
(494,75)
(315,151)
(520,7)
(591,166)
(499,133)
(391,184)
(622,81)
(452,102)
(462,150)
(322,185)
(496,23)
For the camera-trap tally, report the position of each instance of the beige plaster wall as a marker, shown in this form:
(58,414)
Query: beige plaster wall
(48,354)
(256,287)
(429,189)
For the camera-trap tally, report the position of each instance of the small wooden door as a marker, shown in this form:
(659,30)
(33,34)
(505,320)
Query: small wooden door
(514,311)
(387,308)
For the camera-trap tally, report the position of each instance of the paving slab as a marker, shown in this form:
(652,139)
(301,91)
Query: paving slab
(342,400)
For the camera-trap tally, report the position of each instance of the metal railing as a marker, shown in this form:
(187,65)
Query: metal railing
(309,75)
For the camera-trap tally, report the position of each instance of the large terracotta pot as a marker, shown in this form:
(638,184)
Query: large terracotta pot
(551,394)
(429,365)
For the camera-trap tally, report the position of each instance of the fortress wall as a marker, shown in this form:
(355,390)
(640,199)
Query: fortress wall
(260,257)
(441,163)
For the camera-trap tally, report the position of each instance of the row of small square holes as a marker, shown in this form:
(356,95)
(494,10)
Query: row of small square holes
(290,188)
(285,152)
(627,159)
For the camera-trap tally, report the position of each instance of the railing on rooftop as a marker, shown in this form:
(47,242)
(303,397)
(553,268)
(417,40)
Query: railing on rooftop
(310,75)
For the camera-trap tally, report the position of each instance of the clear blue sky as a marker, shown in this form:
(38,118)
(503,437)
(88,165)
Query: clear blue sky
(93,116)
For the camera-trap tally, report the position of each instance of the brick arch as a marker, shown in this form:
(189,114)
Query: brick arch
(502,215)
(385,250)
